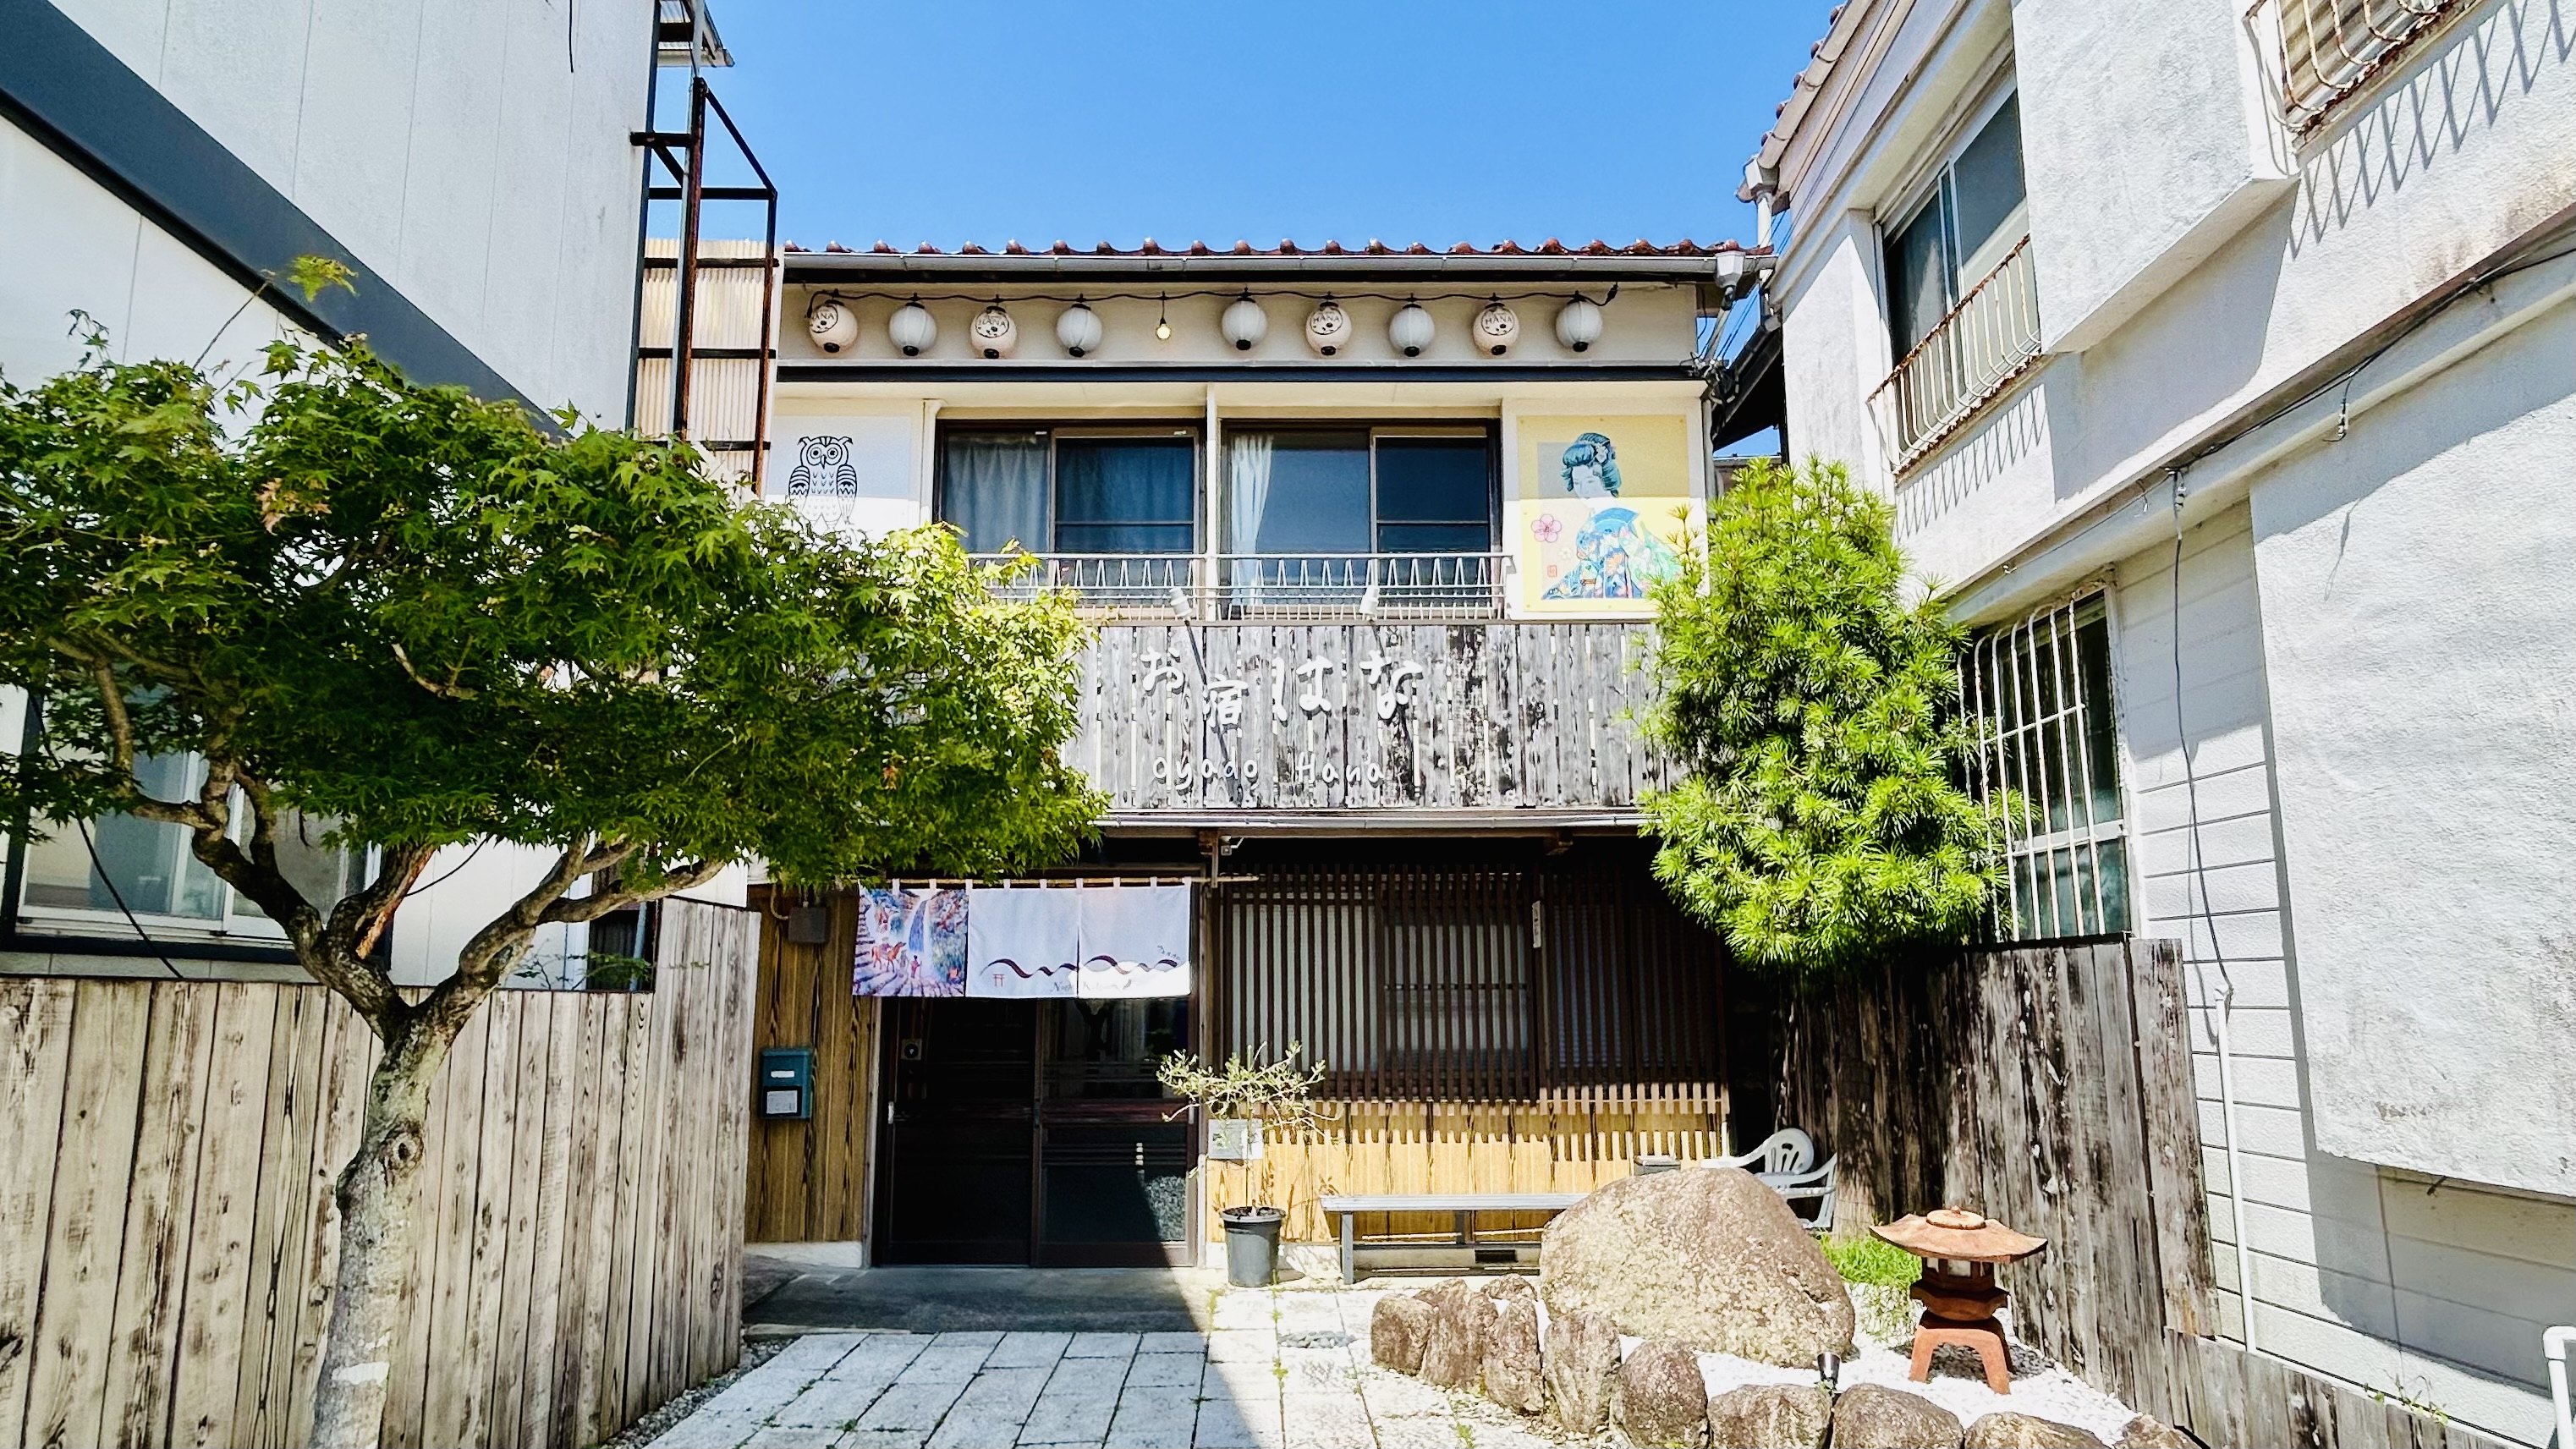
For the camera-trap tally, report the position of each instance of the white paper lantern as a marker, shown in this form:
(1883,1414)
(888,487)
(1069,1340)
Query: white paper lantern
(831,325)
(994,333)
(1078,328)
(1328,328)
(1497,328)
(1410,329)
(1579,325)
(913,329)
(1244,323)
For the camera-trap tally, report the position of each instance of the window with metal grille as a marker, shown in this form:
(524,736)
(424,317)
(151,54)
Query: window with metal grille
(2330,48)
(2041,691)
(1476,984)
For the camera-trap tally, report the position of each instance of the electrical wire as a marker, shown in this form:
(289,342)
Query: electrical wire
(118,896)
(451,871)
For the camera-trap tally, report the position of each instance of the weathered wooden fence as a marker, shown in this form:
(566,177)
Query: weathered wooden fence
(167,1152)
(2050,1086)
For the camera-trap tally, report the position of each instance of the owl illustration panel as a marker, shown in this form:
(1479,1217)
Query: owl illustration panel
(850,475)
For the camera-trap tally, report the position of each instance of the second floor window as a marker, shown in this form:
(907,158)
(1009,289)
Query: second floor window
(1071,491)
(1358,491)
(1960,232)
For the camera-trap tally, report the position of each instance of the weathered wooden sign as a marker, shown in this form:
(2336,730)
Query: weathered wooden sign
(1185,717)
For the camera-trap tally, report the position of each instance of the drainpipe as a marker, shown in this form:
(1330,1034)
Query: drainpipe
(2554,1342)
(2222,1008)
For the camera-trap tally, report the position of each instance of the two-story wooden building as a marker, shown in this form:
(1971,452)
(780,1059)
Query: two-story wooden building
(1366,534)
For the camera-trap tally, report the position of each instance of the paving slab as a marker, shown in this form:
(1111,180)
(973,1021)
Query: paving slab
(1035,1350)
(748,1402)
(847,1389)
(1076,1406)
(1191,1342)
(1102,1345)
(1155,1416)
(993,1408)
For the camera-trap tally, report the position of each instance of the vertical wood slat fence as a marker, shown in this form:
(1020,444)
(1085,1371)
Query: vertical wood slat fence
(167,1154)
(2050,1086)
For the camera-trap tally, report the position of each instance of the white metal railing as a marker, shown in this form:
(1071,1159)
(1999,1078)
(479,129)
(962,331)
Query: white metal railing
(1276,586)
(1970,356)
(2330,48)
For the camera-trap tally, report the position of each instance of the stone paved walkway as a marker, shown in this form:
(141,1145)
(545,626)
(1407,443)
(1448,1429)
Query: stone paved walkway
(1279,1370)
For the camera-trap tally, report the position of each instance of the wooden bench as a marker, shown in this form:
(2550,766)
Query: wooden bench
(1465,1205)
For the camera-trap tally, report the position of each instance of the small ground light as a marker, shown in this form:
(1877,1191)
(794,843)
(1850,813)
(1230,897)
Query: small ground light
(1829,1367)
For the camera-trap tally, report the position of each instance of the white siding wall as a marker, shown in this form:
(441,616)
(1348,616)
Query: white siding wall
(472,153)
(2436,1291)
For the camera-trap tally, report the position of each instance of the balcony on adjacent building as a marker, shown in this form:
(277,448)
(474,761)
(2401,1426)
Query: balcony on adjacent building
(1969,357)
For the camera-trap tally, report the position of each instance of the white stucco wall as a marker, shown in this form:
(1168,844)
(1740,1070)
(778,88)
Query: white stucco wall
(472,153)
(2422,636)
(2143,146)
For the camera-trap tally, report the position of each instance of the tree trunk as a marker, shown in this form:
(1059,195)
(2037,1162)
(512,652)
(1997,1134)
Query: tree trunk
(374,1196)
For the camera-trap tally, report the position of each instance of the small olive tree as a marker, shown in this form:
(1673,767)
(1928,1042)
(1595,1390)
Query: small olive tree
(1816,712)
(415,617)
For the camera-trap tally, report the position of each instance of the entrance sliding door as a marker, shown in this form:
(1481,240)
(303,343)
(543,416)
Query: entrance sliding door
(1116,1154)
(960,1137)
(1029,1132)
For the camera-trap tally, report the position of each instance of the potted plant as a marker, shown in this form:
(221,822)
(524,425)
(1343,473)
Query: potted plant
(1240,1100)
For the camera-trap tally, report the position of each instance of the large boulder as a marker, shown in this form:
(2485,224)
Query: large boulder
(1582,1351)
(1461,1318)
(1706,1256)
(1873,1417)
(1399,1329)
(2022,1431)
(2143,1432)
(1514,1375)
(1661,1398)
(1770,1416)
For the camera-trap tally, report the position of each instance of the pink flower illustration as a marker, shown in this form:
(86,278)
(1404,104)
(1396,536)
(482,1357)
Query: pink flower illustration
(1548,529)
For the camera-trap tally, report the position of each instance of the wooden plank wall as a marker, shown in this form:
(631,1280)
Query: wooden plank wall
(167,1154)
(1574,1143)
(2050,1086)
(1180,717)
(809,1180)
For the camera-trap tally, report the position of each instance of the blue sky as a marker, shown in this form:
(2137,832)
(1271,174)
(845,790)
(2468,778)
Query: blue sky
(949,121)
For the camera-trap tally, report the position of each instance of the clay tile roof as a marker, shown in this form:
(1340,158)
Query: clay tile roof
(1060,249)
(790,246)
(833,247)
(883,246)
(1333,248)
(1376,248)
(972,250)
(927,250)
(1200,249)
(1243,249)
(1417,250)
(1014,248)
(1463,249)
(1288,248)
(1509,248)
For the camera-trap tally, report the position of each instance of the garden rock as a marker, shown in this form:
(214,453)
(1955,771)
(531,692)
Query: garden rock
(1706,1256)
(2144,1432)
(1770,1416)
(1661,1398)
(1510,1287)
(1399,1329)
(1514,1375)
(1454,1354)
(1872,1417)
(1582,1350)
(2022,1431)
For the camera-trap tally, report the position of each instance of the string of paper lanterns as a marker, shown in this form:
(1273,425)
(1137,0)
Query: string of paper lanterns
(1328,329)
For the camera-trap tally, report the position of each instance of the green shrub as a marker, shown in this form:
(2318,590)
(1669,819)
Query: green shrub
(1870,1259)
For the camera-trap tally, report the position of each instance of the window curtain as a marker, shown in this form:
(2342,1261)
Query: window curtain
(1248,484)
(996,490)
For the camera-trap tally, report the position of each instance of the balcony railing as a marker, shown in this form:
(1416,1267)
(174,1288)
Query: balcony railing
(1972,355)
(1278,587)
(2331,48)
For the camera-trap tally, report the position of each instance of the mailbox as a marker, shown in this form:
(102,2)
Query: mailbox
(786,1089)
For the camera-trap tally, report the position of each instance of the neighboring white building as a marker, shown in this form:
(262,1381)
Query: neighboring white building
(2222,367)
(474,162)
